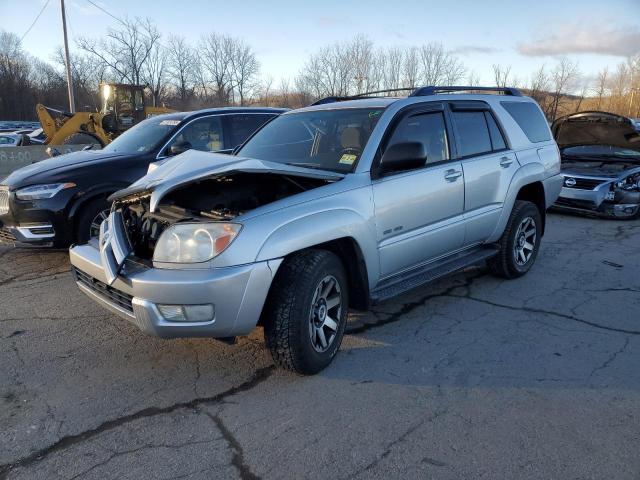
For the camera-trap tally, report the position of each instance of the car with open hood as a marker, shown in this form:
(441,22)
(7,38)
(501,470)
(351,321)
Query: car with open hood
(63,199)
(339,205)
(600,164)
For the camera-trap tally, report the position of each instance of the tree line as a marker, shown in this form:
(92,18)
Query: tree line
(222,70)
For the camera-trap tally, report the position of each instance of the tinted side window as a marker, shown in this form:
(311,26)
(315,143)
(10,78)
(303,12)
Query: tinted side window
(530,119)
(473,134)
(202,134)
(426,128)
(497,140)
(242,126)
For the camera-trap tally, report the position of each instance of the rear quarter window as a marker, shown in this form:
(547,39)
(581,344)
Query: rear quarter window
(530,119)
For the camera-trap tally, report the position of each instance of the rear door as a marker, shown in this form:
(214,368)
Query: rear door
(419,212)
(488,165)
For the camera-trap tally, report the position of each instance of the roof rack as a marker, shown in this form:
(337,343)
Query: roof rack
(359,95)
(433,90)
(422,92)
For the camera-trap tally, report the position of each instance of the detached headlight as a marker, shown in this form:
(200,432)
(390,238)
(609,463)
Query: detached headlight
(39,192)
(194,242)
(632,182)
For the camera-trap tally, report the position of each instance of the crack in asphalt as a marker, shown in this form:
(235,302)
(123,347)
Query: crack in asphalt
(238,453)
(397,441)
(611,358)
(259,376)
(409,307)
(547,312)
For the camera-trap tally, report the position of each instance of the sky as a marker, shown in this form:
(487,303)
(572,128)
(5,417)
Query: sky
(524,35)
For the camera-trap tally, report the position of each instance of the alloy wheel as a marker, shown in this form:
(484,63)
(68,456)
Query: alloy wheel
(525,241)
(94,228)
(326,311)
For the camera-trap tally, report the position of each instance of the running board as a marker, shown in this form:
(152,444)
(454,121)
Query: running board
(415,278)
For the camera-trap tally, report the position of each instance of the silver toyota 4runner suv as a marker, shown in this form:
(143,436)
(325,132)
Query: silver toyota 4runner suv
(326,208)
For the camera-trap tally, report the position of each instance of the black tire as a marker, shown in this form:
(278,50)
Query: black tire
(81,139)
(291,315)
(508,263)
(87,216)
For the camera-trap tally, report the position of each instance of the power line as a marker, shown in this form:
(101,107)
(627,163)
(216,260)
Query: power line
(34,21)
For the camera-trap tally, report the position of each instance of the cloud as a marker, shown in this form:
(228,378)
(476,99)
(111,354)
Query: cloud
(584,38)
(473,49)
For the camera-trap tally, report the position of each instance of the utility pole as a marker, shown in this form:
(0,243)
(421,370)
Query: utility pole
(67,63)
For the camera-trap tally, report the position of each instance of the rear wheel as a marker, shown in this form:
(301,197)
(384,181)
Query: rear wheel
(519,243)
(90,218)
(306,312)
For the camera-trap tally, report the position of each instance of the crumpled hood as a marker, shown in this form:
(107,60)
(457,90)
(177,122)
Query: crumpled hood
(194,165)
(52,169)
(596,128)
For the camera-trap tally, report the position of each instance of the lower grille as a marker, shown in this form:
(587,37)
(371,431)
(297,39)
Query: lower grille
(584,183)
(6,236)
(4,200)
(108,293)
(570,202)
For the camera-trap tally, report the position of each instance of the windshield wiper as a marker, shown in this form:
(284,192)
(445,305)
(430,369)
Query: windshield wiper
(305,165)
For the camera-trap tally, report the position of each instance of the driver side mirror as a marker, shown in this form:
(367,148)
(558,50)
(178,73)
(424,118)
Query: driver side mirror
(403,156)
(178,148)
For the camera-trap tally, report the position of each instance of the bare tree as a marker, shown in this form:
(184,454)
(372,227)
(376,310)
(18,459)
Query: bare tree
(562,77)
(501,75)
(439,67)
(411,68)
(244,69)
(125,51)
(181,68)
(154,74)
(602,80)
(472,79)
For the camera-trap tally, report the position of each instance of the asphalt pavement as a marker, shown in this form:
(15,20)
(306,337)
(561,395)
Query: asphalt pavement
(470,377)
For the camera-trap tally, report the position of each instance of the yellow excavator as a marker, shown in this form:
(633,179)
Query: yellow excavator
(123,105)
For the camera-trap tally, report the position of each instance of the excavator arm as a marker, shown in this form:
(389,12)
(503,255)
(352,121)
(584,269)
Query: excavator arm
(60,126)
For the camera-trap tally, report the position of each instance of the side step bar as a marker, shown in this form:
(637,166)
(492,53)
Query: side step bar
(427,273)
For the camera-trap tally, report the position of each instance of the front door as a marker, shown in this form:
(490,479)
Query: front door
(419,212)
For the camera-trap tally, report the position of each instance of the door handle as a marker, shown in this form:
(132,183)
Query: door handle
(452,175)
(506,162)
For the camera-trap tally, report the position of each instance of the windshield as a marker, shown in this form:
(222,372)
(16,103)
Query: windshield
(324,139)
(142,137)
(600,151)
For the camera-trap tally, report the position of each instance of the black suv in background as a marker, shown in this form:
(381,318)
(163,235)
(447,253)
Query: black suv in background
(63,200)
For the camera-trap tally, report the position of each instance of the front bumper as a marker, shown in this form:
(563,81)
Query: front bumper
(237,293)
(594,202)
(38,222)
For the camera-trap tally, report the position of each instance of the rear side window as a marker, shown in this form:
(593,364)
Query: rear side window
(530,119)
(497,140)
(472,133)
(242,126)
(426,128)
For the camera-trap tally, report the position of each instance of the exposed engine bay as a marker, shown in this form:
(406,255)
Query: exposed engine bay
(216,199)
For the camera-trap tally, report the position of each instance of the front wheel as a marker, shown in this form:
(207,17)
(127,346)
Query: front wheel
(519,243)
(306,312)
(91,217)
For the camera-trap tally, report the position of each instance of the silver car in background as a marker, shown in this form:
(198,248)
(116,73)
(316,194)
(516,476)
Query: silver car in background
(600,164)
(326,208)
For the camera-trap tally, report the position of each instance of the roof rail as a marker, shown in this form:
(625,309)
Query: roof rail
(422,92)
(359,95)
(434,90)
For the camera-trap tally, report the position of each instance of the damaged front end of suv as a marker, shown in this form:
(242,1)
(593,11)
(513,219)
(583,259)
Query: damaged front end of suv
(600,164)
(159,261)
